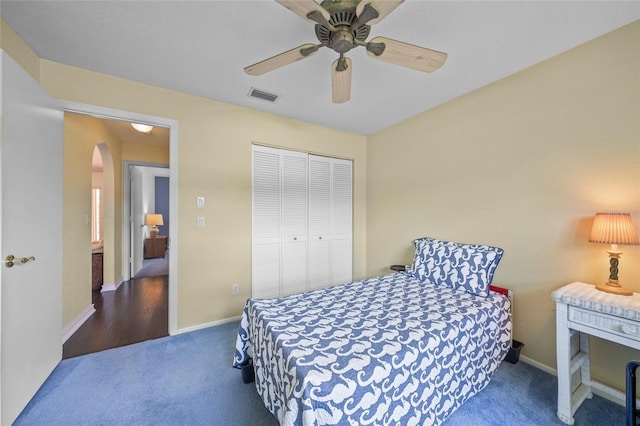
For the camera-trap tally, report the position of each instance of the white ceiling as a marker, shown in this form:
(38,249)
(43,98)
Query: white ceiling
(201,48)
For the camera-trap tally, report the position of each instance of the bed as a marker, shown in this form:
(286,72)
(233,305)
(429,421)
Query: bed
(403,348)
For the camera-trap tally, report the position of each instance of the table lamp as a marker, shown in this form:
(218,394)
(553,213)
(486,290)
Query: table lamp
(154,220)
(614,229)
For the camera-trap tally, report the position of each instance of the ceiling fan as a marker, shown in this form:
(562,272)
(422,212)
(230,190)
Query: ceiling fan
(342,25)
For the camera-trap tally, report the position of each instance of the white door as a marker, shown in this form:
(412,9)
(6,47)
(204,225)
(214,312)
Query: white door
(294,222)
(341,221)
(266,227)
(319,258)
(138,231)
(31,153)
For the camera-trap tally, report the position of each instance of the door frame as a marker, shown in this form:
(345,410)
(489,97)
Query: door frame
(127,205)
(116,114)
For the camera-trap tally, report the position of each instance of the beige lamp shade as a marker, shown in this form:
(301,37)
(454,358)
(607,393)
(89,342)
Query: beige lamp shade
(614,229)
(153,220)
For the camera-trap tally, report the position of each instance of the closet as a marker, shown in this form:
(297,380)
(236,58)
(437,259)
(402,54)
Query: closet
(302,222)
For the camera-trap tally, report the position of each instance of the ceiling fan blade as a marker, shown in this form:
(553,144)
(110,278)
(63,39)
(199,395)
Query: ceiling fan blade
(341,80)
(382,7)
(405,54)
(282,59)
(307,9)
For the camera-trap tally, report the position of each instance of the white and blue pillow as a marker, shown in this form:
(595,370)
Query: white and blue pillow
(469,267)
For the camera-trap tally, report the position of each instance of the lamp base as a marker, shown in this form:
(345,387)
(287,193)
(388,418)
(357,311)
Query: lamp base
(614,287)
(153,232)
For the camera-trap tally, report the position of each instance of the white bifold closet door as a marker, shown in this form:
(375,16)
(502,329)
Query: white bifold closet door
(294,223)
(319,222)
(302,222)
(266,230)
(330,222)
(341,221)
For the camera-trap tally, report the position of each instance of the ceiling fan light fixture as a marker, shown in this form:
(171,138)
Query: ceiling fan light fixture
(142,128)
(342,41)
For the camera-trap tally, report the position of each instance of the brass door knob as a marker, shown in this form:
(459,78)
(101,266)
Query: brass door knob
(11,260)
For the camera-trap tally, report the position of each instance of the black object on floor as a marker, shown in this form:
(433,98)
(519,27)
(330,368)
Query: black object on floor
(514,353)
(632,412)
(248,373)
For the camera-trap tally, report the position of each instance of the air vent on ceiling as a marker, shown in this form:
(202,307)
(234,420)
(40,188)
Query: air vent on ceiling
(255,93)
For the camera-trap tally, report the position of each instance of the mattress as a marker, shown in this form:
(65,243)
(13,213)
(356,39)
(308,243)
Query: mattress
(384,350)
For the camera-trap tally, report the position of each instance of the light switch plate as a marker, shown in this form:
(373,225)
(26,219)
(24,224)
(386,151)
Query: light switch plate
(200,222)
(200,202)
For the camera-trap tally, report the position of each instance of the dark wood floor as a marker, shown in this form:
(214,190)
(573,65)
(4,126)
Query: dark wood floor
(136,311)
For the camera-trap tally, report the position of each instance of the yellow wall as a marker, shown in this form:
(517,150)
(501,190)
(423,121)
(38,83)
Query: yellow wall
(522,164)
(214,152)
(11,43)
(145,153)
(81,134)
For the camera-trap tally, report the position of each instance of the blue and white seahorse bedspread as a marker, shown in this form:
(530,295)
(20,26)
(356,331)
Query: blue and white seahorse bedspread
(386,350)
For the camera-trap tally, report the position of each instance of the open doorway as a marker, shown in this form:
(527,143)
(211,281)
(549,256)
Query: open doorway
(150,216)
(127,309)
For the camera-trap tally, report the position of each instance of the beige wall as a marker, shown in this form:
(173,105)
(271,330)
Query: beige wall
(11,43)
(522,164)
(214,152)
(81,134)
(145,153)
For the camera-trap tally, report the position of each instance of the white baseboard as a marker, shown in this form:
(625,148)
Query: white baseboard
(111,287)
(598,388)
(612,394)
(539,365)
(207,325)
(77,323)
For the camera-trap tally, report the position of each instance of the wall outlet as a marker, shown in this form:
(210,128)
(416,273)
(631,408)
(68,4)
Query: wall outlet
(235,289)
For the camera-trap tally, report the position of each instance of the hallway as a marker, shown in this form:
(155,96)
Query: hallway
(136,311)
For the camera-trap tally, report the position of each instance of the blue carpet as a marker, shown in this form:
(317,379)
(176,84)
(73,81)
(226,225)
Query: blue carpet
(188,380)
(520,394)
(178,380)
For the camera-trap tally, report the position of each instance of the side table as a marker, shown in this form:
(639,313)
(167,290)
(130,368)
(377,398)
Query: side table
(581,310)
(155,247)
